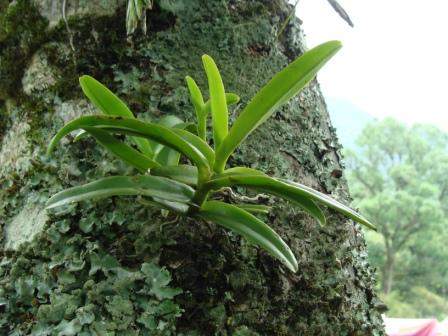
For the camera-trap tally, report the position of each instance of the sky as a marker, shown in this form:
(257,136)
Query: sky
(394,61)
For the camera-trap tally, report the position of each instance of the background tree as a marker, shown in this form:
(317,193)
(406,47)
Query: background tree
(117,267)
(397,179)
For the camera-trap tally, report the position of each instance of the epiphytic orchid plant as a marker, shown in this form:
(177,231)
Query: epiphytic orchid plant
(189,189)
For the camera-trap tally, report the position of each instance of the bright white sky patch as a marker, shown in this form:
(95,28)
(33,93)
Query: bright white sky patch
(394,61)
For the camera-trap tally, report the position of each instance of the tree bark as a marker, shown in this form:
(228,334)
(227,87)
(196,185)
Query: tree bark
(115,267)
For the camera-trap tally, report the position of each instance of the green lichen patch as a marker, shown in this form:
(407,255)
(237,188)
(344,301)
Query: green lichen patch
(63,281)
(25,225)
(38,76)
(15,151)
(72,109)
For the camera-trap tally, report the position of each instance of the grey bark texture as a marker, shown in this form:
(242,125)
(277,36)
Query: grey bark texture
(115,267)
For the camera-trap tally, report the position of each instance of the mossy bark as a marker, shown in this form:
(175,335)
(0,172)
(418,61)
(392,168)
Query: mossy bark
(115,267)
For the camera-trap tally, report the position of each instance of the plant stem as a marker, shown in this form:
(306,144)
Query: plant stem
(199,198)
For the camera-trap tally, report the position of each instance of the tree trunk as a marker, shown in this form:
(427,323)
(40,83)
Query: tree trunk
(104,268)
(388,271)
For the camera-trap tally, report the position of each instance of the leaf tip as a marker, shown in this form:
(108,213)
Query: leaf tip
(206,57)
(372,227)
(208,61)
(323,221)
(84,78)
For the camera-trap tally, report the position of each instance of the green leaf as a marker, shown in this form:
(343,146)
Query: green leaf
(231,99)
(195,94)
(190,127)
(121,150)
(139,185)
(240,171)
(110,104)
(168,121)
(330,202)
(203,109)
(250,228)
(217,100)
(199,107)
(103,98)
(81,135)
(142,129)
(268,184)
(254,208)
(277,91)
(177,207)
(197,143)
(168,157)
(301,195)
(182,173)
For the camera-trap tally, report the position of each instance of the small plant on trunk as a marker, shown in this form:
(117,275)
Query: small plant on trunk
(189,189)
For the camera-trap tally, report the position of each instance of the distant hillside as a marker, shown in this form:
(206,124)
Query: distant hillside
(348,119)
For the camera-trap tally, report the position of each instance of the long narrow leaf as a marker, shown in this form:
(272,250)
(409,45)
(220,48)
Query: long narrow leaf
(198,143)
(277,91)
(168,157)
(177,207)
(103,98)
(199,106)
(121,150)
(240,171)
(250,228)
(254,208)
(182,173)
(138,128)
(301,195)
(330,202)
(139,185)
(231,99)
(188,126)
(110,104)
(195,94)
(267,184)
(168,121)
(217,100)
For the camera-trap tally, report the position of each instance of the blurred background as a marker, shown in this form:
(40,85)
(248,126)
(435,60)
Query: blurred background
(387,96)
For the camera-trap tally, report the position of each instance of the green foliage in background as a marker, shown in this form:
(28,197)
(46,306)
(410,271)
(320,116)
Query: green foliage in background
(186,189)
(399,180)
(419,302)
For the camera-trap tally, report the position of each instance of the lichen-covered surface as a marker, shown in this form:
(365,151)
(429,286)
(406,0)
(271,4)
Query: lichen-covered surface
(115,267)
